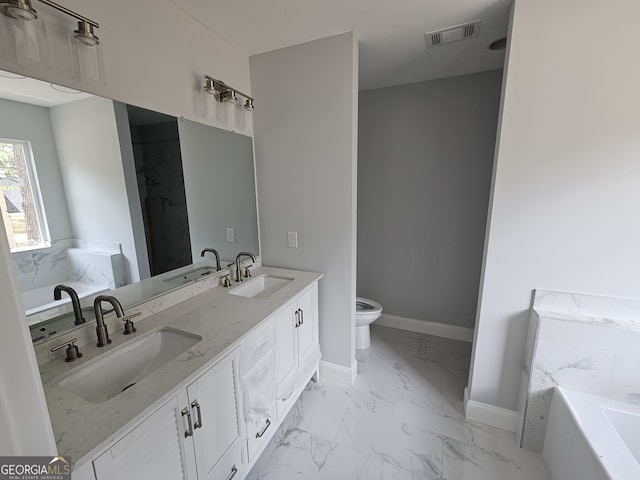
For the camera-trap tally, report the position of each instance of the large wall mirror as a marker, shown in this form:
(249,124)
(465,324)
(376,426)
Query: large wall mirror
(101,195)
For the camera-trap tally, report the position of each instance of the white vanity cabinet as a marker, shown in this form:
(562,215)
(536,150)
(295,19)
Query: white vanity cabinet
(297,334)
(157,448)
(216,427)
(198,434)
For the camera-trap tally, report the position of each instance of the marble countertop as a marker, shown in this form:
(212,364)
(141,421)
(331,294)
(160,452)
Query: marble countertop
(82,429)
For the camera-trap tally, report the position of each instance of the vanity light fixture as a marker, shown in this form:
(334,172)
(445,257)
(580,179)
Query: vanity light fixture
(224,93)
(30,44)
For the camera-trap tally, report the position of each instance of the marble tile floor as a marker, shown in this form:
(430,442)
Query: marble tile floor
(402,419)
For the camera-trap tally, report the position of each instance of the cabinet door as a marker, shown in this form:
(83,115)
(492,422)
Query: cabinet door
(157,448)
(285,343)
(217,429)
(306,323)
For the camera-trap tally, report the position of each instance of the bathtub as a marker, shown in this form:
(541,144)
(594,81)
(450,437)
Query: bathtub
(40,299)
(592,438)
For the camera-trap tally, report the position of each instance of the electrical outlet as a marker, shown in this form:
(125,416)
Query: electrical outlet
(293,239)
(231,235)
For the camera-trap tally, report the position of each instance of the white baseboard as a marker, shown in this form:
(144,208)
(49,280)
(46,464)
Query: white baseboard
(489,414)
(338,373)
(444,330)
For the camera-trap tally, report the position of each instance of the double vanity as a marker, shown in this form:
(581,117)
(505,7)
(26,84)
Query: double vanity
(197,391)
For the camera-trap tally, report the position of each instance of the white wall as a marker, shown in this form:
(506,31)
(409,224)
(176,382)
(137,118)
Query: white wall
(155,56)
(87,141)
(20,121)
(424,172)
(25,428)
(565,197)
(305,126)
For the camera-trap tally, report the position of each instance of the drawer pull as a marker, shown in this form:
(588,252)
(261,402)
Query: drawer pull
(198,423)
(234,470)
(261,432)
(187,412)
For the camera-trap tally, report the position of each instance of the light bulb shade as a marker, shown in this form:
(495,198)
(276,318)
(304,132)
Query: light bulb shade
(210,104)
(25,40)
(86,59)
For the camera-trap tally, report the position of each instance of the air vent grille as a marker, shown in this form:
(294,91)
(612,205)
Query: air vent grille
(453,34)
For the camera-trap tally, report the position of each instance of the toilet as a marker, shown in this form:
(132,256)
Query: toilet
(367,312)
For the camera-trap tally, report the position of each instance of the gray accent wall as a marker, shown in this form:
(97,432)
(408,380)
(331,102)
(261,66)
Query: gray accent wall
(424,174)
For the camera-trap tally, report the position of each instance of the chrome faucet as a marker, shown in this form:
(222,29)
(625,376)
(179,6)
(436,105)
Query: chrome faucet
(75,301)
(215,252)
(101,328)
(238,270)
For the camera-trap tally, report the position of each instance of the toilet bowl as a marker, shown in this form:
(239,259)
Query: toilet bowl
(367,312)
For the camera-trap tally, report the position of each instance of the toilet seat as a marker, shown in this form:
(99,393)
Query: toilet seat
(367,311)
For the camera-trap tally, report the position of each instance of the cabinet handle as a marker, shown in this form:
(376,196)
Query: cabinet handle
(297,318)
(187,412)
(197,424)
(261,432)
(301,316)
(234,470)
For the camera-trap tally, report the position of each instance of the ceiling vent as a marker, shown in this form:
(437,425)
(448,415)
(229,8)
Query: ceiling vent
(453,34)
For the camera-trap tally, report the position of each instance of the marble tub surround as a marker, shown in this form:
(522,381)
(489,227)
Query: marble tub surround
(591,345)
(69,259)
(36,268)
(402,419)
(222,320)
(598,308)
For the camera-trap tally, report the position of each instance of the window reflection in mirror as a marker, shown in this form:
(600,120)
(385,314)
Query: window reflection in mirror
(20,200)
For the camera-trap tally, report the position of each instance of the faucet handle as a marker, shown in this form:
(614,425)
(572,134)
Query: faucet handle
(226,281)
(129,328)
(247,272)
(72,352)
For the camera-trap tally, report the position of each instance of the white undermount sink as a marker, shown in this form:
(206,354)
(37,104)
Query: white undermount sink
(262,286)
(114,372)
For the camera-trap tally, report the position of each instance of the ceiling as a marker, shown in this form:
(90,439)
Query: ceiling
(391,37)
(35,92)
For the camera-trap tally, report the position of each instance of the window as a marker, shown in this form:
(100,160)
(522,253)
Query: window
(20,200)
